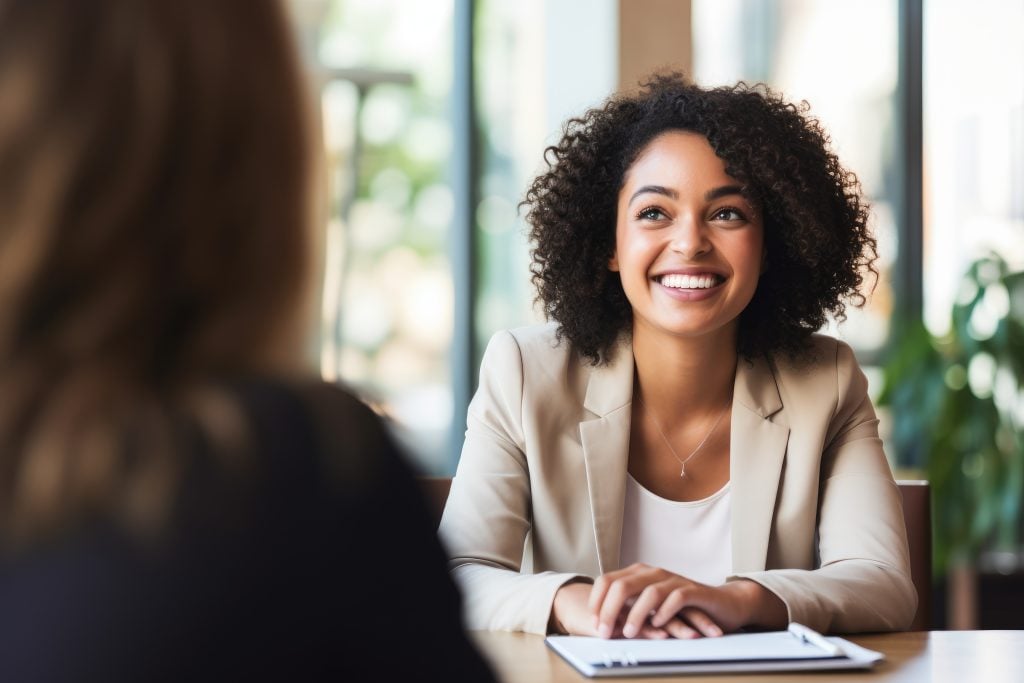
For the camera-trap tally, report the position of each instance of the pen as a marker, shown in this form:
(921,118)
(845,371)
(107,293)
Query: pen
(814,638)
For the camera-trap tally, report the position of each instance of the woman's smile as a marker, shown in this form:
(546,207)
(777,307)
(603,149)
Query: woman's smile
(690,286)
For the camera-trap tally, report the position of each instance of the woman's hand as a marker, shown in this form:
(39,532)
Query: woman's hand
(571,614)
(683,608)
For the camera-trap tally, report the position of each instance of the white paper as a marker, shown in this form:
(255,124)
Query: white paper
(772,651)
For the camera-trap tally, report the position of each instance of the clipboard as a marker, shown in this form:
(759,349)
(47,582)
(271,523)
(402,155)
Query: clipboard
(744,652)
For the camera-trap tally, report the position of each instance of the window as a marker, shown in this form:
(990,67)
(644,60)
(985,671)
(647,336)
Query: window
(973,144)
(384,68)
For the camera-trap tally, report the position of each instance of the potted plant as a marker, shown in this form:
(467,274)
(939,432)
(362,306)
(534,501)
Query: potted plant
(957,404)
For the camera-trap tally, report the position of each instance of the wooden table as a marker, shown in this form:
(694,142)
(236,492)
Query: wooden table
(935,656)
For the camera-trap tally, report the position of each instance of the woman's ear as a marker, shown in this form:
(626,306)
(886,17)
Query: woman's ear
(613,262)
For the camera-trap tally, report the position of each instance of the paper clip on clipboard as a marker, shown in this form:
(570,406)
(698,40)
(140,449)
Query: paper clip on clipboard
(812,637)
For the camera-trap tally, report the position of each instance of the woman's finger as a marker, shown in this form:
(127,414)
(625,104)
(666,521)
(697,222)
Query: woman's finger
(699,620)
(597,593)
(616,600)
(677,628)
(679,604)
(652,633)
(605,581)
(646,631)
(620,591)
(644,606)
(676,600)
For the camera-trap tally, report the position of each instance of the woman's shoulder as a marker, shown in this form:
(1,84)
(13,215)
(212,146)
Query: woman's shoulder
(518,349)
(826,373)
(297,419)
(822,353)
(267,392)
(540,338)
(291,398)
(534,355)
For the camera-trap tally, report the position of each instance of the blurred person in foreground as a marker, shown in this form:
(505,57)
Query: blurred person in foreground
(178,502)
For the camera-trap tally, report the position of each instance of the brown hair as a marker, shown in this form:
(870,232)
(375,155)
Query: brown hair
(154,172)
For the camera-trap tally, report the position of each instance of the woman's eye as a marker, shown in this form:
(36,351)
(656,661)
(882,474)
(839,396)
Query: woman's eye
(728,215)
(651,213)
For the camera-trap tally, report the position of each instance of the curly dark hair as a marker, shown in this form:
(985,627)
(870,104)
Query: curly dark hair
(816,237)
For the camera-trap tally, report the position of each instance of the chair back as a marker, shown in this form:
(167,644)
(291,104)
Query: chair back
(917,515)
(435,493)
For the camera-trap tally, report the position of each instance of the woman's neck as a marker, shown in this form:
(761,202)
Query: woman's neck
(685,374)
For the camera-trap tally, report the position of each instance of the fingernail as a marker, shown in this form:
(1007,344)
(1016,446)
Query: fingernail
(715,631)
(629,630)
(604,631)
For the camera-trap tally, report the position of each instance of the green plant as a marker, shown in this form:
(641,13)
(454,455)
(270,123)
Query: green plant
(958,412)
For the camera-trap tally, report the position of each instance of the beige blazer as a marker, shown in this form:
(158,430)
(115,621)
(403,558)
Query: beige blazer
(538,495)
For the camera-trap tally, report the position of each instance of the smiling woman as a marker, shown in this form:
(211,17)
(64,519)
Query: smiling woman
(688,242)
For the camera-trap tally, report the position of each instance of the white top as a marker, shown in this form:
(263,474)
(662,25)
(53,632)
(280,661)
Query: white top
(692,539)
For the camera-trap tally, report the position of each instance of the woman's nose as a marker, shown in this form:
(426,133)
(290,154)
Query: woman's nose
(689,238)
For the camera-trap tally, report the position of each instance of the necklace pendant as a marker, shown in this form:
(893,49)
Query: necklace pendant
(682,472)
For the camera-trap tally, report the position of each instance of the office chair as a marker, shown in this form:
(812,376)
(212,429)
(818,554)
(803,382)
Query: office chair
(918,518)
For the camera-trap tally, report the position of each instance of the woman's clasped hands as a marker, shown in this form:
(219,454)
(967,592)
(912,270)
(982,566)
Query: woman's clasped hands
(641,601)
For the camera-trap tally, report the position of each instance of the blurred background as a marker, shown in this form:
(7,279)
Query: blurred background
(435,116)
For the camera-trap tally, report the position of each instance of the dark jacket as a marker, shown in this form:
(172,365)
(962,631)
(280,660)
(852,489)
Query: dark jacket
(316,560)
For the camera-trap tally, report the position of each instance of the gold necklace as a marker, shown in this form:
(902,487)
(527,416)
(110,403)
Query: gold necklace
(682,461)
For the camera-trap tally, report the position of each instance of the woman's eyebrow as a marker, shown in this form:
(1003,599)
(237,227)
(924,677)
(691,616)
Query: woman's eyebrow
(723,191)
(656,189)
(709,196)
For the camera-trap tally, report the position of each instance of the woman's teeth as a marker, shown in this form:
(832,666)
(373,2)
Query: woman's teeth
(689,281)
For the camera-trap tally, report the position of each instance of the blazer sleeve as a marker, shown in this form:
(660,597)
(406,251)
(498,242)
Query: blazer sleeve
(487,519)
(863,580)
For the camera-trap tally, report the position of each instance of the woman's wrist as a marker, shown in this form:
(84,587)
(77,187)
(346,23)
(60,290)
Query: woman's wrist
(568,597)
(760,607)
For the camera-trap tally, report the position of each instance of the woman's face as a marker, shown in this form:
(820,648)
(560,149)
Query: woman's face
(688,245)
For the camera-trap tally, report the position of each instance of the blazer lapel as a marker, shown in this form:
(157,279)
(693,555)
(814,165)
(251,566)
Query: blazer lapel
(757,451)
(604,436)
